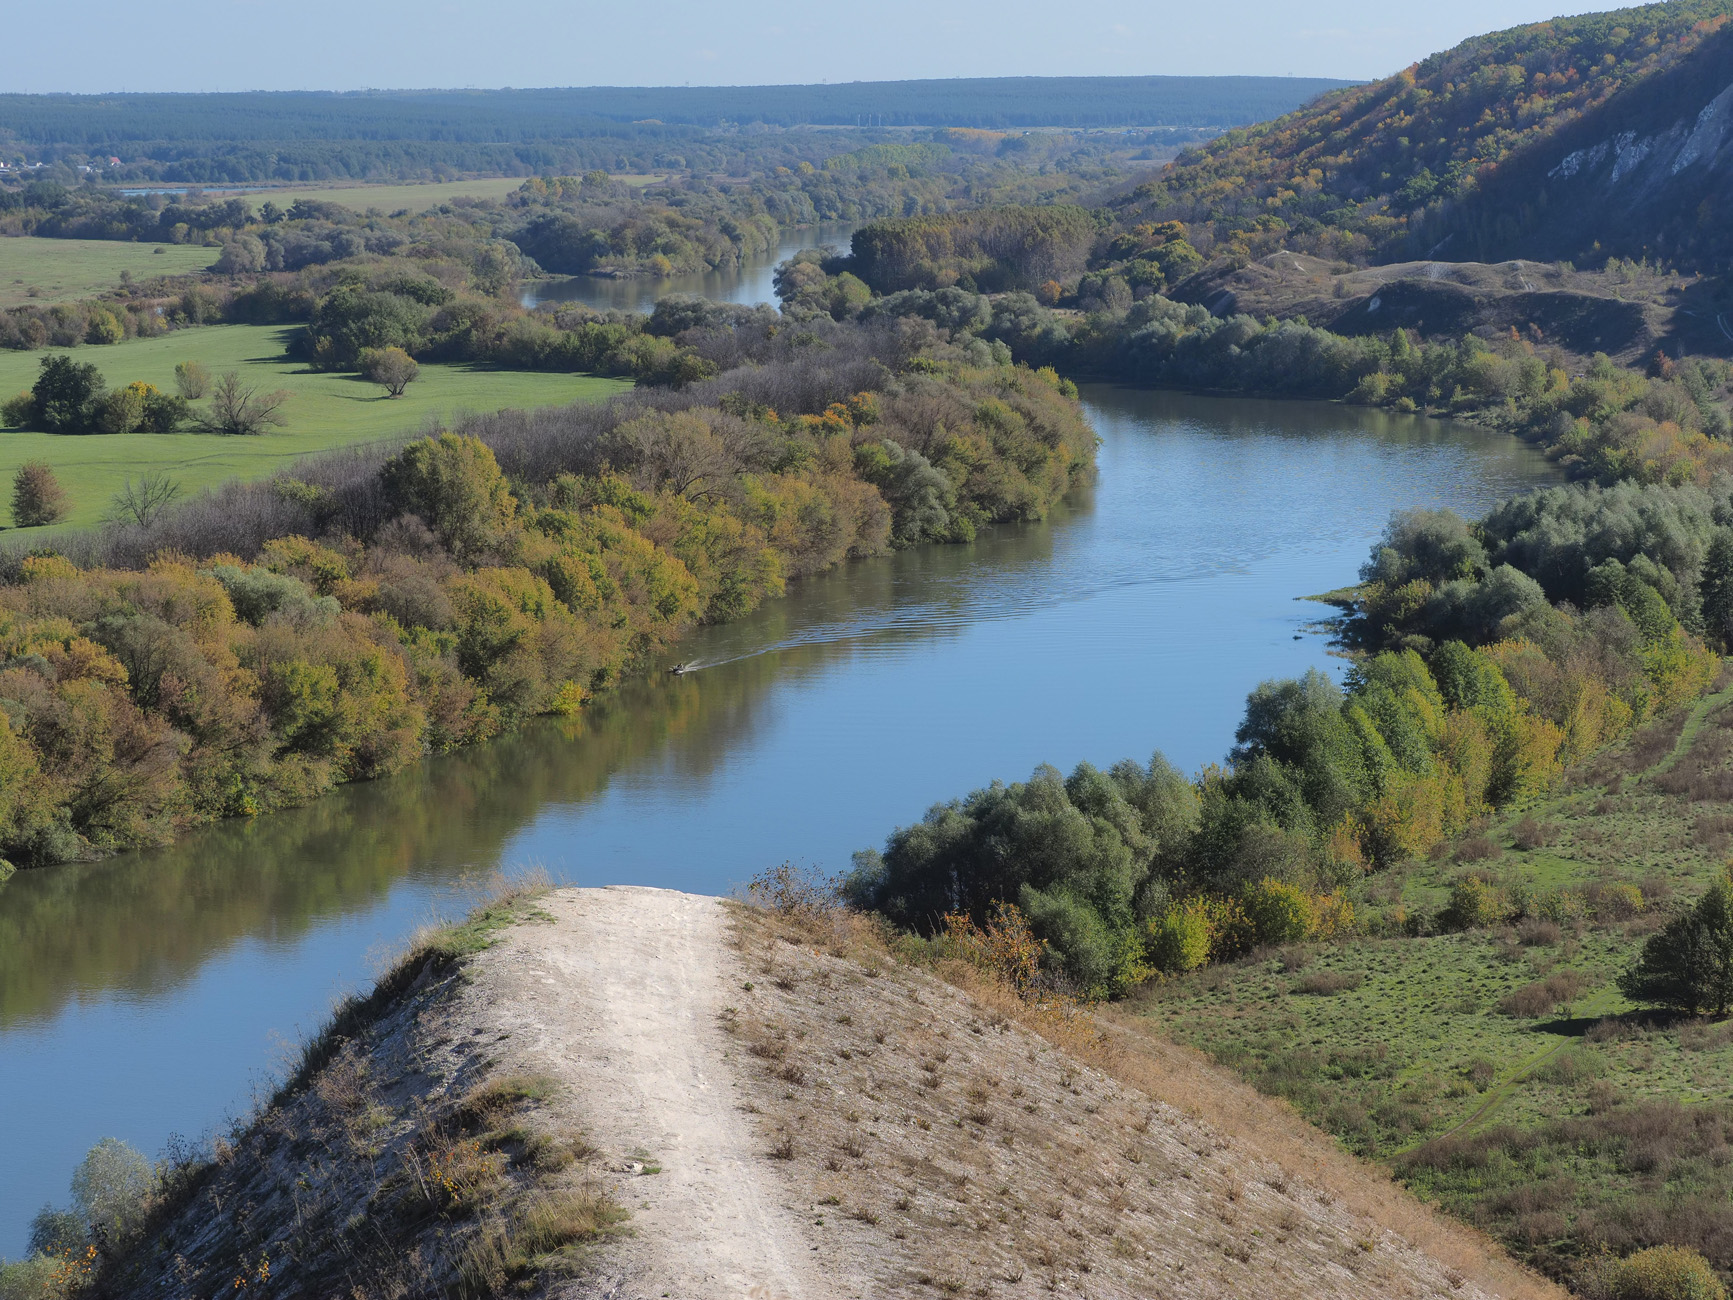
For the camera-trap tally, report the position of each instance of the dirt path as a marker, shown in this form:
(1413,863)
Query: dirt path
(929,1144)
(620,1001)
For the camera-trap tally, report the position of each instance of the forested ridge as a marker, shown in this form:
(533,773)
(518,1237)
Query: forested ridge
(1381,171)
(1597,141)
(165,127)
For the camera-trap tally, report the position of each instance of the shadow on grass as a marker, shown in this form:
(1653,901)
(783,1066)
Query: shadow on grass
(1568,1026)
(1616,1025)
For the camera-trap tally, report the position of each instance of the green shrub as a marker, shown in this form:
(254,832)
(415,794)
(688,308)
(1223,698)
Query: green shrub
(66,396)
(392,369)
(37,497)
(192,379)
(1101,959)
(1279,912)
(1179,939)
(122,410)
(58,1233)
(1665,1273)
(1618,901)
(1473,903)
(104,328)
(109,1189)
(163,412)
(454,484)
(28,1279)
(1689,964)
(19,411)
(1558,906)
(256,594)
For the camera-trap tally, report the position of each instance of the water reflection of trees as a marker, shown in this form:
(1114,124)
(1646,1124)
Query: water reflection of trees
(144,922)
(1499,456)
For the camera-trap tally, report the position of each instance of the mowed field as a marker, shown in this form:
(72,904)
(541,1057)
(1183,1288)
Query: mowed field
(324,411)
(47,271)
(416,198)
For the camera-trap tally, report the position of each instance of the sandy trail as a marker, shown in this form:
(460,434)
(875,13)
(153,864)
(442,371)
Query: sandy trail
(619,1001)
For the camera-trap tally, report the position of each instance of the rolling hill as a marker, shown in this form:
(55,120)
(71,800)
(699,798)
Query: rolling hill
(1578,138)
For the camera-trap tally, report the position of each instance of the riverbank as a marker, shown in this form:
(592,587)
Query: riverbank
(141,995)
(470,582)
(848,1103)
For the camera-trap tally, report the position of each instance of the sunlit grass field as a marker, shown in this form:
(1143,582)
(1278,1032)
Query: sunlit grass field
(64,270)
(325,411)
(416,198)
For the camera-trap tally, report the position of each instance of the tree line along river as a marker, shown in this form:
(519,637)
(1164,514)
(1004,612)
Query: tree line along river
(156,993)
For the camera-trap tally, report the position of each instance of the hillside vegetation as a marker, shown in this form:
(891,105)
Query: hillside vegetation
(1390,170)
(1573,172)
(1466,912)
(1477,1038)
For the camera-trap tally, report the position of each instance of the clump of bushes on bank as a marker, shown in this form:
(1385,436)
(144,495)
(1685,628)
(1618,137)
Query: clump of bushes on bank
(1476,693)
(254,648)
(1608,423)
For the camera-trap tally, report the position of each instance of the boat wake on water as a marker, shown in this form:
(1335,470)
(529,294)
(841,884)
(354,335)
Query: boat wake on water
(890,625)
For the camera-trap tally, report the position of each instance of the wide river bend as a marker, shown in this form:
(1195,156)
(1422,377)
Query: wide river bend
(155,993)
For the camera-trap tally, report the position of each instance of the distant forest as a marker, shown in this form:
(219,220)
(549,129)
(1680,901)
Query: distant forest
(121,123)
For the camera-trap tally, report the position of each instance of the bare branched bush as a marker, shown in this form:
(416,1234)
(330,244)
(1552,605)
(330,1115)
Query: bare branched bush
(1530,834)
(1477,848)
(238,409)
(1536,932)
(795,890)
(141,501)
(1327,982)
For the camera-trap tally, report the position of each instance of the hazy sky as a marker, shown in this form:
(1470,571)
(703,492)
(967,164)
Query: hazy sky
(352,44)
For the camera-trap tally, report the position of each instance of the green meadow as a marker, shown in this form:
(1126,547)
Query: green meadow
(416,198)
(324,411)
(1500,1071)
(44,271)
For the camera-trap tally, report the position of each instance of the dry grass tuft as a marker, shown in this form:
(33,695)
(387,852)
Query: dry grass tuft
(393,1162)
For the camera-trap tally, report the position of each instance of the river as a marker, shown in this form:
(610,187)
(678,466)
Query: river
(153,993)
(748,283)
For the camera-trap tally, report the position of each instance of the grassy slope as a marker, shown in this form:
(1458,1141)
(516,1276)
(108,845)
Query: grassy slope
(1413,1045)
(326,411)
(64,270)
